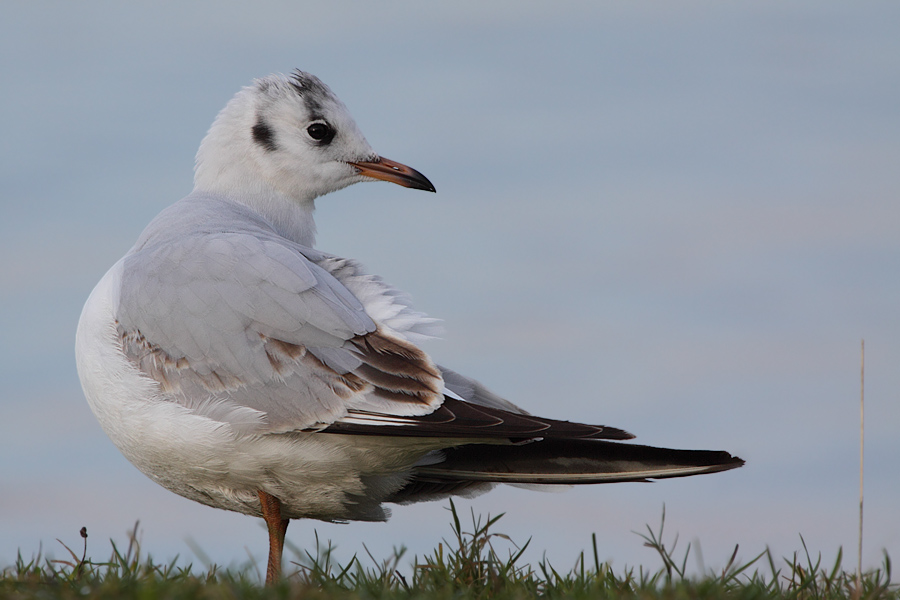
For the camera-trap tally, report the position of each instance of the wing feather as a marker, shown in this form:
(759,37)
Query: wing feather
(458,419)
(234,316)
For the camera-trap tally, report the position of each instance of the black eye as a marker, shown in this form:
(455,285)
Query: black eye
(321,132)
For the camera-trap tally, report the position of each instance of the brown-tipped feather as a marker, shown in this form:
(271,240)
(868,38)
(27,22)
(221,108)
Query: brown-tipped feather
(397,369)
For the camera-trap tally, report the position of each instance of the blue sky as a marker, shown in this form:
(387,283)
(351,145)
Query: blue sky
(679,219)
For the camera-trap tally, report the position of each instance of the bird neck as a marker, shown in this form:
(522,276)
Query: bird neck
(241,182)
(290,217)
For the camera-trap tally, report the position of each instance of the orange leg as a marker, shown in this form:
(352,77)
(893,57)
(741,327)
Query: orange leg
(271,510)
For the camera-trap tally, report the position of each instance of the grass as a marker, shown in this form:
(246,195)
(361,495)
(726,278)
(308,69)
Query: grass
(466,566)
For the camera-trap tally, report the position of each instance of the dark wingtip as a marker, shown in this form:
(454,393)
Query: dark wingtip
(613,433)
(719,460)
(726,462)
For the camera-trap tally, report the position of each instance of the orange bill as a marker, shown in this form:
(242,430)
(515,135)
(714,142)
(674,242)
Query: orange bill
(389,170)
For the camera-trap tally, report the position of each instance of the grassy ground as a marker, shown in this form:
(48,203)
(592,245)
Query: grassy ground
(466,566)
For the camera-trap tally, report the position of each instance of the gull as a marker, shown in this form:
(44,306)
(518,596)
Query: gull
(237,365)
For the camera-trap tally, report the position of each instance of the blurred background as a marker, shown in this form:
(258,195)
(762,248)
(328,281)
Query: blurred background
(675,218)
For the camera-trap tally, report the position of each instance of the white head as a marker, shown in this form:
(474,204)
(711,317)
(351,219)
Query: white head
(289,140)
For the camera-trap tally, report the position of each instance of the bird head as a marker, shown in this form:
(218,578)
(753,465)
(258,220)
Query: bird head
(294,137)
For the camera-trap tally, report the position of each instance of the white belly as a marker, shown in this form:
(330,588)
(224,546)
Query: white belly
(315,475)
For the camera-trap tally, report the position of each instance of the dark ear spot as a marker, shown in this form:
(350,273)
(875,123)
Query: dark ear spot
(264,136)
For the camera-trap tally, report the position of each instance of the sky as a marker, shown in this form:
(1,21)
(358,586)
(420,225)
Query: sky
(680,219)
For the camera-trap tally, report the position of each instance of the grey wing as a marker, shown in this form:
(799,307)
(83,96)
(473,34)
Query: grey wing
(247,330)
(473,391)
